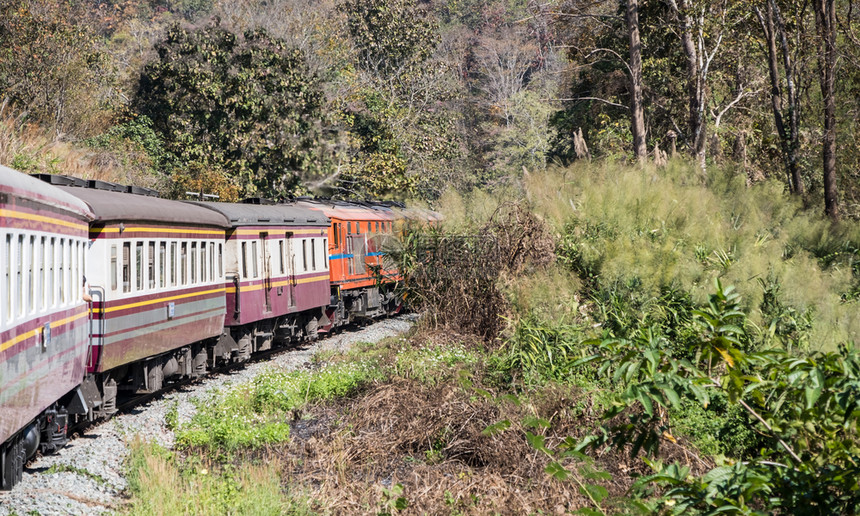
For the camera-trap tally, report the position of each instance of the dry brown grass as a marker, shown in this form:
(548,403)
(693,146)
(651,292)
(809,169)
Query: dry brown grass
(33,149)
(430,440)
(456,280)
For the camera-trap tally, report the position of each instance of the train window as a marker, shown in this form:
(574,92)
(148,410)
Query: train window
(113,267)
(203,272)
(43,271)
(162,263)
(31,274)
(138,265)
(75,274)
(172,264)
(150,260)
(52,252)
(193,262)
(281,255)
(20,274)
(220,261)
(84,263)
(349,228)
(183,263)
(325,252)
(8,282)
(126,266)
(61,271)
(70,296)
(313,254)
(212,261)
(334,230)
(305,254)
(244,259)
(254,258)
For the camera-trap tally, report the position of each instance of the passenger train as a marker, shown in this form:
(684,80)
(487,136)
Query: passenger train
(109,290)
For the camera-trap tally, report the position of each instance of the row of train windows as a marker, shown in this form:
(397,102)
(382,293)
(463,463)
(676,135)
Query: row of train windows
(369,227)
(40,272)
(146,265)
(249,255)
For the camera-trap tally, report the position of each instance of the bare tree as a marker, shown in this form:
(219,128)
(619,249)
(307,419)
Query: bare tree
(637,113)
(504,62)
(825,24)
(691,19)
(773,26)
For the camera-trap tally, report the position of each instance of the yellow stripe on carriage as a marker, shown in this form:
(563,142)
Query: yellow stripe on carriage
(284,283)
(13,214)
(140,229)
(275,236)
(35,331)
(158,300)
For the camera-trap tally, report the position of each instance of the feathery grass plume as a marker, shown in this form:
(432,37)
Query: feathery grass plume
(655,229)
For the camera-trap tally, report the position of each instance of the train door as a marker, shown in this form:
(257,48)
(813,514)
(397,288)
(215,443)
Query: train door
(291,270)
(267,271)
(359,250)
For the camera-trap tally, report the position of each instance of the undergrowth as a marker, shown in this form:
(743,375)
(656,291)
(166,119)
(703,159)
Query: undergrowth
(576,346)
(259,412)
(163,483)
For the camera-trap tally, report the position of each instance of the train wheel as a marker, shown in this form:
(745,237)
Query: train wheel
(12,458)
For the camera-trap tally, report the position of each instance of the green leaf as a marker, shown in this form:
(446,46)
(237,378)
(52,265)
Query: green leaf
(496,428)
(719,474)
(598,493)
(537,442)
(557,471)
(672,396)
(536,422)
(647,404)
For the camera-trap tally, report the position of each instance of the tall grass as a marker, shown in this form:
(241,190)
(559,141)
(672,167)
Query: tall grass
(32,149)
(657,229)
(634,234)
(162,484)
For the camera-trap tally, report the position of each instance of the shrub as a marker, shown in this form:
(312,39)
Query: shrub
(258,412)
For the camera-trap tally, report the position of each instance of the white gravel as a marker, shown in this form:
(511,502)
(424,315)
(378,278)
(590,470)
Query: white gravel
(87,476)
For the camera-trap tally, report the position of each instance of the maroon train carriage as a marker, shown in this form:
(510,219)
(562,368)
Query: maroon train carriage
(277,277)
(43,318)
(156,277)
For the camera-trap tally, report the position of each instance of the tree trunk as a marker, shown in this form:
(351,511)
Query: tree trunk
(695,83)
(771,24)
(637,114)
(825,23)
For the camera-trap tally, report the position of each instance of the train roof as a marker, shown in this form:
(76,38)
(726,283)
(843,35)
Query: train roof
(21,185)
(346,210)
(110,206)
(241,214)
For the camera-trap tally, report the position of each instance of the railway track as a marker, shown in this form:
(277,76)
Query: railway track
(87,476)
(130,402)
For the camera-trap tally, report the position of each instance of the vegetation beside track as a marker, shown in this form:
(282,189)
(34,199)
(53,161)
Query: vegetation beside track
(621,375)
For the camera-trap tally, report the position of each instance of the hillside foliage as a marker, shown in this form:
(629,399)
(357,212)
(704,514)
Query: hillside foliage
(387,98)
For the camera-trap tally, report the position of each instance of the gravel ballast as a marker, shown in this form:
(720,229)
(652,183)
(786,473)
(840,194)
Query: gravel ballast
(87,476)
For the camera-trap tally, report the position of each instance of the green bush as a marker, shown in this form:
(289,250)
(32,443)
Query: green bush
(258,412)
(637,233)
(803,408)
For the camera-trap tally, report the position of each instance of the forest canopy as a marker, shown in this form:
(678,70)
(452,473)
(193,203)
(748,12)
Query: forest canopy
(390,98)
